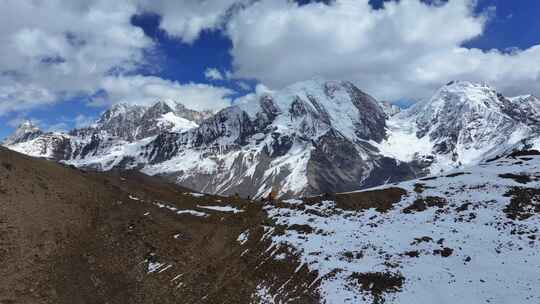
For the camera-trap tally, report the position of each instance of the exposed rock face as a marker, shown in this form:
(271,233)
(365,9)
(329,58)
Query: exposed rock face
(465,115)
(31,140)
(293,140)
(132,122)
(118,128)
(525,109)
(366,246)
(461,125)
(310,138)
(120,121)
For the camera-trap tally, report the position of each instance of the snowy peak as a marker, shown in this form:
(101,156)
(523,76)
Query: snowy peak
(309,138)
(121,120)
(464,112)
(192,115)
(462,124)
(157,109)
(524,98)
(134,122)
(466,96)
(26,131)
(161,117)
(312,108)
(120,112)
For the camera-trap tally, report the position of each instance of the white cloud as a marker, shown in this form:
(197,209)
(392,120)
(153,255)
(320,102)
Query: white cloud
(57,127)
(213,74)
(82,121)
(260,90)
(19,119)
(243,85)
(51,50)
(186,19)
(148,89)
(56,49)
(16,96)
(407,49)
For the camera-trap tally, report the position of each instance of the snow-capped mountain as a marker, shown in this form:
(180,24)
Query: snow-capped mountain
(525,108)
(309,138)
(312,137)
(25,132)
(119,128)
(132,122)
(463,124)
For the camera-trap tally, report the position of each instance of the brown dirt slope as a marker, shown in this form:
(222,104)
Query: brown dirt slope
(68,236)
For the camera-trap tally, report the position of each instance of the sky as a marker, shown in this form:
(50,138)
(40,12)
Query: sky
(208,54)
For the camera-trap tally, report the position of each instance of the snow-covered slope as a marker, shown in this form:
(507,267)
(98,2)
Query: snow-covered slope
(525,108)
(52,145)
(469,236)
(121,130)
(461,125)
(312,137)
(26,131)
(132,122)
(309,138)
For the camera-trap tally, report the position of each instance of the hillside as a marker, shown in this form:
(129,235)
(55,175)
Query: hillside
(69,236)
(468,236)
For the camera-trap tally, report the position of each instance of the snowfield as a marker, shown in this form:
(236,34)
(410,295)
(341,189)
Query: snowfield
(465,237)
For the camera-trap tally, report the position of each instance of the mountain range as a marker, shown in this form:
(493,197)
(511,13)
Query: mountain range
(78,236)
(310,138)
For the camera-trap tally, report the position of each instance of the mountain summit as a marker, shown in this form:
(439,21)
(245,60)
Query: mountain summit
(310,138)
(26,131)
(462,124)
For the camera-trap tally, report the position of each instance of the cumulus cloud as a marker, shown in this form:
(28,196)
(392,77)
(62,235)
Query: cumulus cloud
(250,98)
(188,18)
(213,74)
(82,121)
(19,119)
(45,61)
(148,89)
(57,127)
(15,96)
(51,50)
(406,49)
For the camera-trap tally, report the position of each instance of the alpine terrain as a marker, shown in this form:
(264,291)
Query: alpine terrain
(269,152)
(466,236)
(310,138)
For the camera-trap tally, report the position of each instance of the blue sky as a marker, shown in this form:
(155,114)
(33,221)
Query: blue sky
(177,54)
(516,25)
